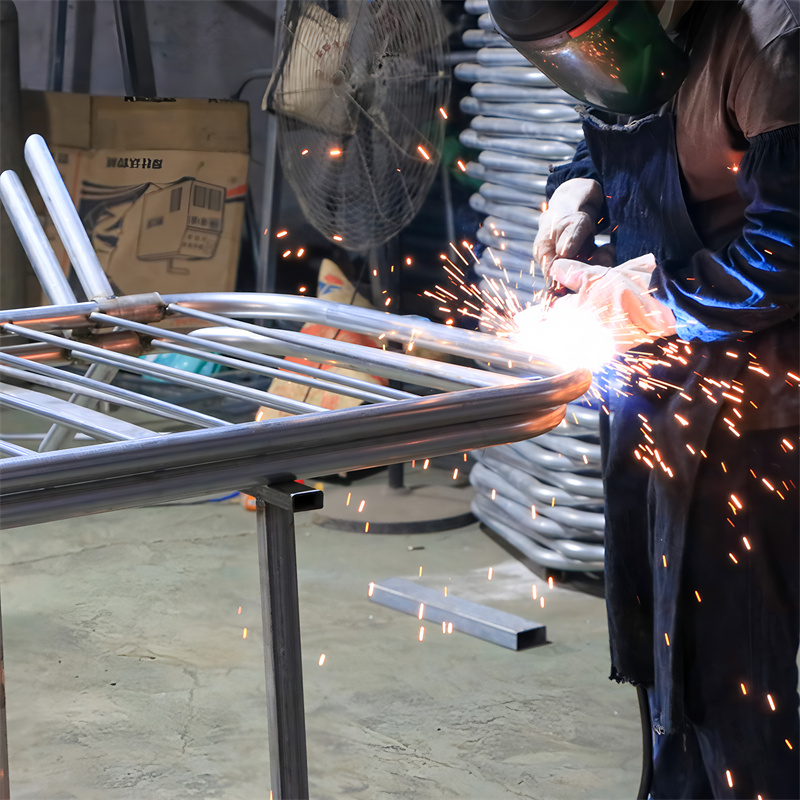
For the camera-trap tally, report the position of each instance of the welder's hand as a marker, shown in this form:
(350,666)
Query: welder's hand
(619,297)
(568,224)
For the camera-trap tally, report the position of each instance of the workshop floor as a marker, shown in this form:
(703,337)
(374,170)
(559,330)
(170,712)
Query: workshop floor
(128,675)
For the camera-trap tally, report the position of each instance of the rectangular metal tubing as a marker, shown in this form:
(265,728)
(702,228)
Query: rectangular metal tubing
(499,627)
(280,619)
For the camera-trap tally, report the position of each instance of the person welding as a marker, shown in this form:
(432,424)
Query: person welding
(690,164)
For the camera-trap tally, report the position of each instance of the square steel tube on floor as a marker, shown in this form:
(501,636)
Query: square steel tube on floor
(499,627)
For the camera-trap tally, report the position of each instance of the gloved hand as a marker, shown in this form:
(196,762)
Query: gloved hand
(619,297)
(568,224)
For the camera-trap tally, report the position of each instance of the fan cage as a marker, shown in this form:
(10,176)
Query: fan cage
(358,93)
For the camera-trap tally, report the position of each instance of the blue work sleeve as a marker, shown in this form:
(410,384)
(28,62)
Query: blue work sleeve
(752,283)
(581,166)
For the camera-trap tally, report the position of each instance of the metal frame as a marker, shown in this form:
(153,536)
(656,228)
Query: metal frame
(127,465)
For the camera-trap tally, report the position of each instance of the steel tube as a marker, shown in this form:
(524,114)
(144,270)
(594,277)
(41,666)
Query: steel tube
(95,355)
(369,392)
(29,230)
(41,375)
(129,489)
(65,218)
(81,419)
(273,436)
(427,334)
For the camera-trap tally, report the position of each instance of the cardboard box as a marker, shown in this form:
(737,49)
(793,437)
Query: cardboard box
(159,184)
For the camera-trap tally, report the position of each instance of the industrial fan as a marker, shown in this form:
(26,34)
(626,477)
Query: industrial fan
(357,92)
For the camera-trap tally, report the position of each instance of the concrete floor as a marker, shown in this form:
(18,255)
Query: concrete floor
(128,675)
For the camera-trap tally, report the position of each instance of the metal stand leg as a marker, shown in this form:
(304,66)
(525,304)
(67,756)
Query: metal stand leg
(5,791)
(280,616)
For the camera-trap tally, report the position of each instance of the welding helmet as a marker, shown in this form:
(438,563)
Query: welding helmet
(611,54)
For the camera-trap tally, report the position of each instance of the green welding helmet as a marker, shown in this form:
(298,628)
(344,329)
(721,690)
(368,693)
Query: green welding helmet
(611,54)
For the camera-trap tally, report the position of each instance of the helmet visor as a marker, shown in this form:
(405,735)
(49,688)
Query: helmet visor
(620,59)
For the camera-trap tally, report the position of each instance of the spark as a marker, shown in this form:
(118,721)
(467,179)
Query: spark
(302,289)
(321,659)
(744,688)
(788,744)
(541,601)
(788,443)
(443,112)
(349,495)
(682,420)
(371,589)
(426,463)
(666,638)
(746,542)
(366,527)
(736,501)
(455,473)
(423,152)
(494,494)
(421,611)
(664,560)
(361,506)
(287,253)
(449,627)
(336,237)
(533,591)
(461,165)
(281,234)
(733,558)
(240,610)
(421,632)
(771,702)
(550,582)
(768,484)
(727,771)
(697,595)
(335,152)
(244,633)
(420,571)
(491,572)
(301,252)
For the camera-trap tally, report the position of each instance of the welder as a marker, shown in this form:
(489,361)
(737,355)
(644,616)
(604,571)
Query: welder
(690,165)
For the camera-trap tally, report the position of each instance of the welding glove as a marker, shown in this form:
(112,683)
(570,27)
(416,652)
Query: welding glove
(567,226)
(619,297)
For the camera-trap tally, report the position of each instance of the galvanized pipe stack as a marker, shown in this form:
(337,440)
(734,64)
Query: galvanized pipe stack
(544,497)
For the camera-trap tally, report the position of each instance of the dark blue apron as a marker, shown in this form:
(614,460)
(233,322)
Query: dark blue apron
(647,210)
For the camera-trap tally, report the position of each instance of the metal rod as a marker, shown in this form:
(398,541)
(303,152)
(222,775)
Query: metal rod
(43,375)
(427,334)
(29,230)
(130,364)
(280,617)
(58,436)
(81,419)
(286,371)
(129,490)
(65,218)
(324,429)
